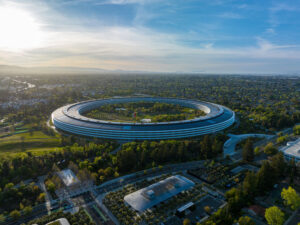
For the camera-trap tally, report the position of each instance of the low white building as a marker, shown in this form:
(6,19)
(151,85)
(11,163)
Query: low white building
(61,221)
(292,150)
(68,177)
(154,194)
(146,120)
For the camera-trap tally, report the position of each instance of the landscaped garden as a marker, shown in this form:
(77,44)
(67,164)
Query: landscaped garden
(211,173)
(115,202)
(137,111)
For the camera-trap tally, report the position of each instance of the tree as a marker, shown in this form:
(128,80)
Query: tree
(55,168)
(248,152)
(296,130)
(234,199)
(274,216)
(291,198)
(257,150)
(278,164)
(50,186)
(270,149)
(41,197)
(15,214)
(2,218)
(265,177)
(72,166)
(207,209)
(27,210)
(116,174)
(245,220)
(186,222)
(292,167)
(206,146)
(281,139)
(249,186)
(108,172)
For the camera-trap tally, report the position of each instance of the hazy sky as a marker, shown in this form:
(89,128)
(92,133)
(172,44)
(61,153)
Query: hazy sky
(253,36)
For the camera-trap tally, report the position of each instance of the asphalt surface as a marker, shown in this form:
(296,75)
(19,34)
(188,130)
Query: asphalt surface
(230,144)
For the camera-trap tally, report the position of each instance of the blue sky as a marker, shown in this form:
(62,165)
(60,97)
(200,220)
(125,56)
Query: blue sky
(213,36)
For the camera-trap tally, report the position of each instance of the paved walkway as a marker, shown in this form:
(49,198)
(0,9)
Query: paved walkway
(150,172)
(51,126)
(230,144)
(48,197)
(294,218)
(99,201)
(116,150)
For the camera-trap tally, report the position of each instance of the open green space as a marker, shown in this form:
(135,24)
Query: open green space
(136,111)
(35,142)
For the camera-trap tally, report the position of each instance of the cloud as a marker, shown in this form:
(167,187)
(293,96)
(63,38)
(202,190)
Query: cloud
(275,16)
(283,7)
(230,15)
(126,2)
(266,45)
(144,49)
(71,42)
(270,31)
(242,6)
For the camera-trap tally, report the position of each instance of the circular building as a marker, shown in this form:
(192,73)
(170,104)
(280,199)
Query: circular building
(69,118)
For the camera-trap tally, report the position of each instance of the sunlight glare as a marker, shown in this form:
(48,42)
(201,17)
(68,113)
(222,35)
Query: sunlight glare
(18,30)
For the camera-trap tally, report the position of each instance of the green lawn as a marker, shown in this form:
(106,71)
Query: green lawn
(183,114)
(36,142)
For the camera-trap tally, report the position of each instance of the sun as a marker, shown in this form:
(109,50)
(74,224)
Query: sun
(19,30)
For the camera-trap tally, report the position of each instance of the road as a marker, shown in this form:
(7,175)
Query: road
(100,191)
(49,125)
(141,175)
(29,85)
(99,201)
(230,144)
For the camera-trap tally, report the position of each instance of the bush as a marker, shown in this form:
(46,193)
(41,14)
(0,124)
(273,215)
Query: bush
(296,130)
(270,149)
(27,210)
(281,139)
(15,214)
(207,209)
(41,197)
(50,186)
(257,151)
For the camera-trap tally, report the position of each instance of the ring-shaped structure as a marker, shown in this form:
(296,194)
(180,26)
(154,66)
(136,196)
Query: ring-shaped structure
(69,118)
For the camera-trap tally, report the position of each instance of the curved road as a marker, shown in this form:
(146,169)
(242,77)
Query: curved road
(229,145)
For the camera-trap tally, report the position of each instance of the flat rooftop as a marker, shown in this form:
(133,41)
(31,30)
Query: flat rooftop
(154,194)
(292,149)
(68,177)
(61,221)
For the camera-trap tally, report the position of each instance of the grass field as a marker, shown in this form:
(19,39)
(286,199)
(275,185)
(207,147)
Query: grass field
(36,142)
(125,112)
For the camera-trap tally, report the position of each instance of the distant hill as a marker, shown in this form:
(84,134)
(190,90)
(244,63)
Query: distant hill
(17,70)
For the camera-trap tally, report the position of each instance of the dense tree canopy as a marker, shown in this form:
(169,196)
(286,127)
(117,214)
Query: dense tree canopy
(274,216)
(291,198)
